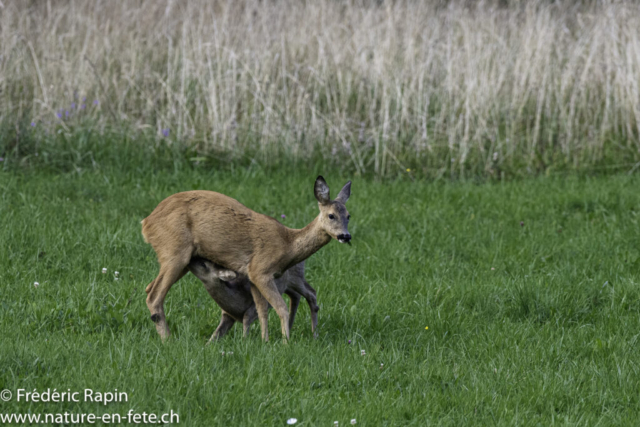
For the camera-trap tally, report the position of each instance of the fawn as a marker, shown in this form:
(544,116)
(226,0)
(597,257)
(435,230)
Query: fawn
(232,292)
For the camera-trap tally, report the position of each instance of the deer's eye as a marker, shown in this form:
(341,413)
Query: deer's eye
(331,216)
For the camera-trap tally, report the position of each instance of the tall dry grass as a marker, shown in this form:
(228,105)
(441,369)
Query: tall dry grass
(434,85)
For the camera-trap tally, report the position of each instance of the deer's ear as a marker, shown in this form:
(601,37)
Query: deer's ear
(344,194)
(321,190)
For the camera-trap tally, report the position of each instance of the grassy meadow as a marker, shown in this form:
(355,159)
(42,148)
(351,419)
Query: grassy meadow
(529,291)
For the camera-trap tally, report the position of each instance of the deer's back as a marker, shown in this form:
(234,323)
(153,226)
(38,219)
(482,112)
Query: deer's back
(213,226)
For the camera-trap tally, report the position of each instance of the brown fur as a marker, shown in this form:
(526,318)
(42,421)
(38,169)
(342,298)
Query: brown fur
(218,228)
(233,294)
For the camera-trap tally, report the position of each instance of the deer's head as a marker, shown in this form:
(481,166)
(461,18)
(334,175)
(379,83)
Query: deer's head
(334,217)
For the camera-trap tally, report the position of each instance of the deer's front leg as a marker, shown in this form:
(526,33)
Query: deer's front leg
(267,287)
(262,307)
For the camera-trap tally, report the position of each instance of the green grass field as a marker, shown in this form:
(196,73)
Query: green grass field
(529,291)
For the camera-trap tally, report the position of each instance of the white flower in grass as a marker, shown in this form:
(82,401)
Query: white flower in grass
(363,353)
(292,421)
(104,270)
(353,421)
(115,273)
(36,284)
(335,423)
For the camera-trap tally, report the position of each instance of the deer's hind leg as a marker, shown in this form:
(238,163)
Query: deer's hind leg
(171,270)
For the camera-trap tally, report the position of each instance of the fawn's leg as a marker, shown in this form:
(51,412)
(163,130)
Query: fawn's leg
(226,322)
(310,295)
(249,317)
(294,302)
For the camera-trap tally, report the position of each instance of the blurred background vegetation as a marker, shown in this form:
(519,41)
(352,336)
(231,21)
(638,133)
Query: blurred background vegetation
(491,88)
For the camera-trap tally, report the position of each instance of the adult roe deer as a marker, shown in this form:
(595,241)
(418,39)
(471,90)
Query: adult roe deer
(232,293)
(218,228)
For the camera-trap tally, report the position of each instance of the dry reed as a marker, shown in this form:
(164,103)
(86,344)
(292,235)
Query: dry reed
(378,86)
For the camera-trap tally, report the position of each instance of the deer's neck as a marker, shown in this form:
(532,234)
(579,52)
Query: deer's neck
(308,241)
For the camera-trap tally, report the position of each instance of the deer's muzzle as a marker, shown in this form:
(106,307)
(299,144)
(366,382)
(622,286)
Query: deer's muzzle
(344,238)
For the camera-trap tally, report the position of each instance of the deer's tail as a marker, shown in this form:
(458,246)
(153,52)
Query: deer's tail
(144,229)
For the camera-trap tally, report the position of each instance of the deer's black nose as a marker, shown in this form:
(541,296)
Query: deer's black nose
(344,238)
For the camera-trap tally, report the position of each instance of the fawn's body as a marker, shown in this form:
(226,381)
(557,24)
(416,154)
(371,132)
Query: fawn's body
(233,294)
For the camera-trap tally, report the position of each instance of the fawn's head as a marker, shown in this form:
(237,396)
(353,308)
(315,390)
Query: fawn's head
(334,217)
(209,272)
